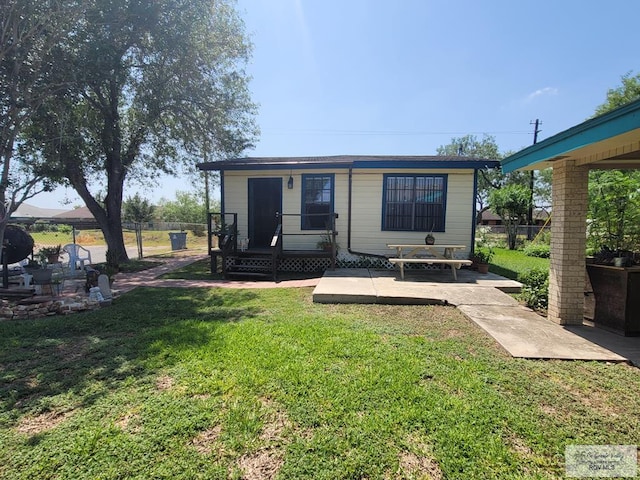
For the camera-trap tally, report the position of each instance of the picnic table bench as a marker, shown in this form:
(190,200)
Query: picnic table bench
(428,255)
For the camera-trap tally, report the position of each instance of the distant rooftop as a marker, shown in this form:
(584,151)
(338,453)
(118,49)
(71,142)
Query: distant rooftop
(76,213)
(30,211)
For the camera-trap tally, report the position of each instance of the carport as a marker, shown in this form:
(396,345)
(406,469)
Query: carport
(609,141)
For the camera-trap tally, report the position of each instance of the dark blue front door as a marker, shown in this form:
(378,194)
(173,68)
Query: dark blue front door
(265,200)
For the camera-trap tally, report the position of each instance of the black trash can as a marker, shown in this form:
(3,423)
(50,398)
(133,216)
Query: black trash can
(178,240)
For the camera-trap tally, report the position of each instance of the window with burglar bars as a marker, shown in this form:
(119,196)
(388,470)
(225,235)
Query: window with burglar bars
(414,202)
(317,198)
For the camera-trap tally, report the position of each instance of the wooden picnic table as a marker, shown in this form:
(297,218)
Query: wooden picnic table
(442,254)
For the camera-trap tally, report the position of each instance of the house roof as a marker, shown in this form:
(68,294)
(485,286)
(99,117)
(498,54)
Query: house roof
(347,161)
(80,213)
(610,140)
(30,211)
(78,217)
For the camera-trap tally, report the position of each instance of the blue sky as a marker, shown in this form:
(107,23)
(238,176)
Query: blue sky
(405,76)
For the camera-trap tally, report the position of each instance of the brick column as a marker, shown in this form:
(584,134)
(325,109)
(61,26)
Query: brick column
(568,242)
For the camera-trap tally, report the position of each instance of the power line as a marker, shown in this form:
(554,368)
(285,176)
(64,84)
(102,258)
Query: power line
(383,132)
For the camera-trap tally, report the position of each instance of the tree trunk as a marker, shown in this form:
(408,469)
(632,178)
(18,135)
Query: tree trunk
(5,272)
(512,234)
(110,218)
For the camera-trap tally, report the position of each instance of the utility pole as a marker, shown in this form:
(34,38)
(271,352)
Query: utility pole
(532,179)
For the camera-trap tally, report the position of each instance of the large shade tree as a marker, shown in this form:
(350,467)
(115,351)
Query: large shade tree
(32,33)
(153,84)
(491,179)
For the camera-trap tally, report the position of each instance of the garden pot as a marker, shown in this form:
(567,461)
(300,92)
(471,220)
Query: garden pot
(483,268)
(429,240)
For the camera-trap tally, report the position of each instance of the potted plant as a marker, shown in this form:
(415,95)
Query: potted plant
(481,258)
(41,274)
(52,254)
(326,241)
(32,265)
(429,239)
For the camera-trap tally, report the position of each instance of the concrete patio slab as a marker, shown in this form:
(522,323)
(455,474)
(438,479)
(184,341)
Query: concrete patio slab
(352,285)
(391,290)
(524,333)
(627,347)
(361,285)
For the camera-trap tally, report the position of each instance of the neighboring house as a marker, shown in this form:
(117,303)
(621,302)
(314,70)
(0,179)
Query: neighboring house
(29,213)
(379,200)
(79,217)
(540,218)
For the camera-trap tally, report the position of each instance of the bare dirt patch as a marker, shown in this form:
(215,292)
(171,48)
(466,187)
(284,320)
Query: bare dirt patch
(519,446)
(276,422)
(165,382)
(207,441)
(130,422)
(74,349)
(418,464)
(41,423)
(262,465)
(414,466)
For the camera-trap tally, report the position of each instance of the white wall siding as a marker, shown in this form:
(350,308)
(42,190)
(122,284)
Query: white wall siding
(366,229)
(366,222)
(237,201)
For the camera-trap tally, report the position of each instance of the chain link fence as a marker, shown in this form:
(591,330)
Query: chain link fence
(497,234)
(141,240)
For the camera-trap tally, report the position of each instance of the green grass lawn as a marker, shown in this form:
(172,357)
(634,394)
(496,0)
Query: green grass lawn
(217,383)
(510,263)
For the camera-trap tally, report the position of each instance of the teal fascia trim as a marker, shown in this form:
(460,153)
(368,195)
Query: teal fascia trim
(603,127)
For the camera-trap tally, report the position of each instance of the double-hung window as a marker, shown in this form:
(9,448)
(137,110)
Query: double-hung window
(414,202)
(317,201)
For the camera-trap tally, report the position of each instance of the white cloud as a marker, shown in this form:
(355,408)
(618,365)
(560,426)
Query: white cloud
(540,92)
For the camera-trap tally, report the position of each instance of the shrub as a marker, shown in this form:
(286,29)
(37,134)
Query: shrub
(535,288)
(539,250)
(483,255)
(42,226)
(198,230)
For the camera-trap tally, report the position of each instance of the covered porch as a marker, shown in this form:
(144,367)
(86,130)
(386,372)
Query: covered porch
(609,141)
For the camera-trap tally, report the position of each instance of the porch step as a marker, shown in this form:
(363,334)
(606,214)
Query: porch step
(255,266)
(249,268)
(253,275)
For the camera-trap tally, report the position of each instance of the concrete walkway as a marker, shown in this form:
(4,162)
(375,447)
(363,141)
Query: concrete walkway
(126,282)
(519,330)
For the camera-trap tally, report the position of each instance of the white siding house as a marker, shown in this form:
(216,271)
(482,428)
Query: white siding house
(379,199)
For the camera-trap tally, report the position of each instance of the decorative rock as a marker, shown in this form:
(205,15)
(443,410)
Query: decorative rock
(95,294)
(44,306)
(105,288)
